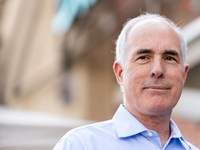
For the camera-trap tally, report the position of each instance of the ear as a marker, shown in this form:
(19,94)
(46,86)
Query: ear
(118,70)
(185,73)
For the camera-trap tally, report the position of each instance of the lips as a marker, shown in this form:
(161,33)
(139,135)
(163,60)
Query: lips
(157,87)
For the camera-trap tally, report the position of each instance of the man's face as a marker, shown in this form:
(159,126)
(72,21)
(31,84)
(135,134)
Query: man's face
(153,74)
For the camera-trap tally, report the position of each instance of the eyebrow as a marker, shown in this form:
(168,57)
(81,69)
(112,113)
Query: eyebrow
(171,52)
(144,51)
(148,51)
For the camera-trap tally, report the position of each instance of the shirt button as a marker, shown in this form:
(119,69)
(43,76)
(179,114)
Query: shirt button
(150,134)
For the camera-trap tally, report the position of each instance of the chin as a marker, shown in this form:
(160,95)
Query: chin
(159,110)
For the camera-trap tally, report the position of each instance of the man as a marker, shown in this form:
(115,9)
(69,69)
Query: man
(151,70)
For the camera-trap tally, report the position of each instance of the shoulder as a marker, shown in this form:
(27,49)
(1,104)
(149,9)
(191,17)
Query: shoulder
(91,128)
(81,136)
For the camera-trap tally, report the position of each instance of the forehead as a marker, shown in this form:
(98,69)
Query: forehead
(153,34)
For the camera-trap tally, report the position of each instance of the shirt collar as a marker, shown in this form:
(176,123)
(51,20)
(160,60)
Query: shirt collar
(175,133)
(126,124)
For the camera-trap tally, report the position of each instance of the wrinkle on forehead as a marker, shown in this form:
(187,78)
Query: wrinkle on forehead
(148,29)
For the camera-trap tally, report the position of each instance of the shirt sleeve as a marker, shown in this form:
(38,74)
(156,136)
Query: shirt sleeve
(64,145)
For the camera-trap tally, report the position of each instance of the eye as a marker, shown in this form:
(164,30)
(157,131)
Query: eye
(170,58)
(143,57)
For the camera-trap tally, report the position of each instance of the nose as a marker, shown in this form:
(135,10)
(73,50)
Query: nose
(157,70)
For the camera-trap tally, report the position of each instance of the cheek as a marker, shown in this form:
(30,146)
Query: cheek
(136,76)
(176,77)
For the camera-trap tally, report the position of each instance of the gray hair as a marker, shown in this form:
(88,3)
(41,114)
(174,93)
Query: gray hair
(122,45)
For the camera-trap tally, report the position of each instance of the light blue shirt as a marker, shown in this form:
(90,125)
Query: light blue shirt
(123,132)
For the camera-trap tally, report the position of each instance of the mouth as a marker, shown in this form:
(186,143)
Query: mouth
(157,88)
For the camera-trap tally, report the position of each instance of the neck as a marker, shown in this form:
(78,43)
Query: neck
(158,123)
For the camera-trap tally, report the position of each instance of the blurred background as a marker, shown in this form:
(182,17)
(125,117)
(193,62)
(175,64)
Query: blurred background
(56,60)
